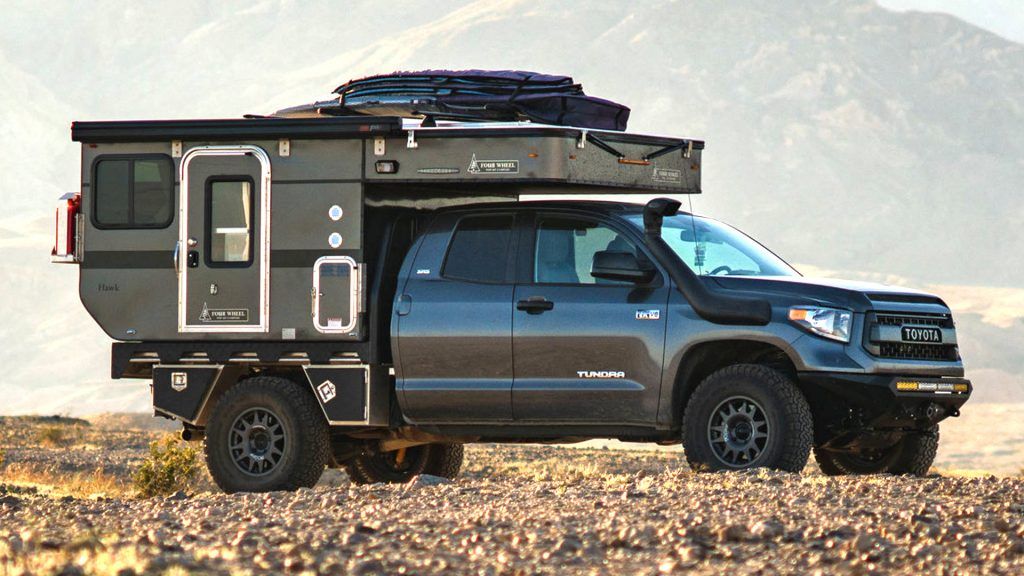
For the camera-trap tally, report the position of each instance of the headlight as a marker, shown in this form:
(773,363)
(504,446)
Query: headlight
(827,322)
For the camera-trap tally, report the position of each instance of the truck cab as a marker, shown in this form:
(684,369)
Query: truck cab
(372,293)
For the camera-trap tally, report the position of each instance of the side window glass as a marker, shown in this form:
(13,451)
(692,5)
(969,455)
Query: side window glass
(565,250)
(133,193)
(229,222)
(479,249)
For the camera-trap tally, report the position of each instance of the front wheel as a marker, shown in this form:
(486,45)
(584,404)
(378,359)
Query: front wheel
(913,454)
(747,416)
(266,434)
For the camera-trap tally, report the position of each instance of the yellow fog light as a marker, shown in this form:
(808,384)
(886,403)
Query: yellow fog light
(961,387)
(907,386)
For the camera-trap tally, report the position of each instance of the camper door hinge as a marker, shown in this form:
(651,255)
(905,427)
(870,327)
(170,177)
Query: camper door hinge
(379,146)
(411,141)
(284,147)
(176,148)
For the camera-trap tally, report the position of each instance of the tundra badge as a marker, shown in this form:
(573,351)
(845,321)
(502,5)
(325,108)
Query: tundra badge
(648,314)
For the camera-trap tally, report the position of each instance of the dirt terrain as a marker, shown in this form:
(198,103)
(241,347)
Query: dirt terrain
(66,507)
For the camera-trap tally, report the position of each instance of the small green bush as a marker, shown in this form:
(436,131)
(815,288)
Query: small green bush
(170,467)
(52,435)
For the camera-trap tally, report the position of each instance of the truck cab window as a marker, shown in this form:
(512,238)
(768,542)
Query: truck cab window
(229,222)
(565,250)
(479,250)
(133,193)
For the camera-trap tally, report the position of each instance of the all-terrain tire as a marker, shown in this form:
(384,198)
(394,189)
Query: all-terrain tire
(445,460)
(266,434)
(394,467)
(776,407)
(917,453)
(913,454)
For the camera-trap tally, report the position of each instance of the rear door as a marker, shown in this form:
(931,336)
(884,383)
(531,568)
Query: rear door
(586,350)
(453,320)
(224,245)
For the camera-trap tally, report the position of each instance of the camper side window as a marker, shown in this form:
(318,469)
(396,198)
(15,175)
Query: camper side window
(229,222)
(133,192)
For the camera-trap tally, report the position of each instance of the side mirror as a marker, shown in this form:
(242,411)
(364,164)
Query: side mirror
(623,266)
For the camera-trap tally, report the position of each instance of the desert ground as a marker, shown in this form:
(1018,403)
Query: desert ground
(67,506)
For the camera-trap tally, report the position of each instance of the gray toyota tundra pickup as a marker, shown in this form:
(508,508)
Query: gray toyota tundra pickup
(399,296)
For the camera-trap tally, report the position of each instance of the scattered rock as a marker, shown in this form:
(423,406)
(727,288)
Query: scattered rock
(430,480)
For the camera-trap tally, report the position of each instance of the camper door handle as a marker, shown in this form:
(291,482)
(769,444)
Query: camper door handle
(177,257)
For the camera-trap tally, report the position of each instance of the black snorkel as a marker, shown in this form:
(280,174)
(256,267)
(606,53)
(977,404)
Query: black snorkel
(711,305)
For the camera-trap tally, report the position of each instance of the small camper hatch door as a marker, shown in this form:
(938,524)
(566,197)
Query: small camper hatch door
(336,295)
(223,252)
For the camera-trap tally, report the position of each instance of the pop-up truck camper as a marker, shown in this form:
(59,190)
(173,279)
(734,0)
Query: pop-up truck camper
(360,283)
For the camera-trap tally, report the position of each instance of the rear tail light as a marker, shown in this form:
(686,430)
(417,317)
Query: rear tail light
(66,229)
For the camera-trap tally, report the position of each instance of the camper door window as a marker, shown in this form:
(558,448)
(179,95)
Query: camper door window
(133,191)
(229,222)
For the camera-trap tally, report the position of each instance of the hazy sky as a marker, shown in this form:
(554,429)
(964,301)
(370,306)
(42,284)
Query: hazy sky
(1004,17)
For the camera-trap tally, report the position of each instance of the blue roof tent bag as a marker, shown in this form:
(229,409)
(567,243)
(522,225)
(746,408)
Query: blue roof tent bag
(482,95)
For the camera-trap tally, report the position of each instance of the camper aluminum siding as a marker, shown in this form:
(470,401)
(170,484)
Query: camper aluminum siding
(304,184)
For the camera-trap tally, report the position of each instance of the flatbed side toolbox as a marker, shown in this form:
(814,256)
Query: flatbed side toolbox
(351,395)
(182,390)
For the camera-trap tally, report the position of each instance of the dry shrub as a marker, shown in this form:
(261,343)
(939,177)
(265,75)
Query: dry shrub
(171,466)
(57,435)
(77,484)
(3,454)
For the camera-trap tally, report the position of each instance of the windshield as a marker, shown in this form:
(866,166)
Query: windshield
(716,249)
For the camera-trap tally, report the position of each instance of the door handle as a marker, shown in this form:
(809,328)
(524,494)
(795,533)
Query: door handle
(404,305)
(177,257)
(535,305)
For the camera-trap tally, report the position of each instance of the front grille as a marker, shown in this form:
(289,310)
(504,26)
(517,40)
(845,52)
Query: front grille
(882,341)
(938,320)
(902,351)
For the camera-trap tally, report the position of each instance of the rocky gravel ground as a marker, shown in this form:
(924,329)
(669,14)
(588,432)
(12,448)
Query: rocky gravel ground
(521,510)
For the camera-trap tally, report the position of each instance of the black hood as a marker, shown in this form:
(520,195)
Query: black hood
(795,290)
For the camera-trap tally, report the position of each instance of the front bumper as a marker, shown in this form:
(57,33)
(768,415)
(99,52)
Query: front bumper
(850,408)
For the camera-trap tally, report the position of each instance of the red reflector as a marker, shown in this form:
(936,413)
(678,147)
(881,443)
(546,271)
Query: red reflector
(64,240)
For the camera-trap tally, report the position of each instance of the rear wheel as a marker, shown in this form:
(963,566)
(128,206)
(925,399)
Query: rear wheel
(394,467)
(445,460)
(747,416)
(266,434)
(402,465)
(913,454)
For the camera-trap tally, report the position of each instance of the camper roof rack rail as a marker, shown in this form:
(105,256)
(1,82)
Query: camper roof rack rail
(244,128)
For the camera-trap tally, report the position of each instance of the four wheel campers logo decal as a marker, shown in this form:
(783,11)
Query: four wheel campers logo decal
(667,175)
(327,391)
(223,314)
(493,166)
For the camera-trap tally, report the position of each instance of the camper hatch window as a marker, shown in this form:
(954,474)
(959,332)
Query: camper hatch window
(133,192)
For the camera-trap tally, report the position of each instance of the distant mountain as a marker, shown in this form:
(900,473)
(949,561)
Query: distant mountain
(843,135)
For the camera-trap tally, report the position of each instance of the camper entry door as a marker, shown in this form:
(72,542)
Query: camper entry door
(223,249)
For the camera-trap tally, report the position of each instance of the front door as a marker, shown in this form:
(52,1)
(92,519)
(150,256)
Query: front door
(223,249)
(586,350)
